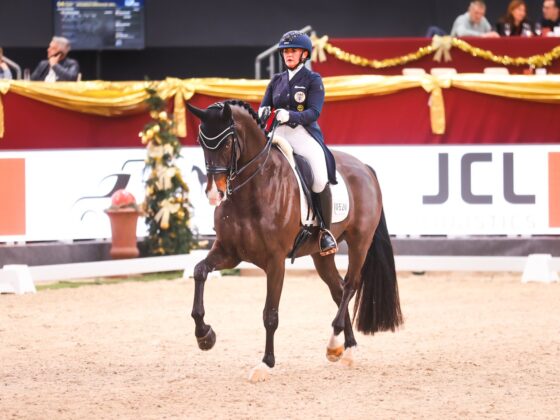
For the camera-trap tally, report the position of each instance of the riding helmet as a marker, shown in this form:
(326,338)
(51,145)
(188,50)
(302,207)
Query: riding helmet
(296,39)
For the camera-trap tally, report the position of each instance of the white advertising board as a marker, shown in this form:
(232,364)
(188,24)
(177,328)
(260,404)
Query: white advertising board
(427,190)
(468,190)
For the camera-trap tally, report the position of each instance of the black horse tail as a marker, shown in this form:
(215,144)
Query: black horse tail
(377,306)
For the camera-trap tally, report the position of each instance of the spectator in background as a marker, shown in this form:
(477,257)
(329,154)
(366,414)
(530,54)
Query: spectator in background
(5,72)
(57,66)
(473,22)
(551,15)
(515,22)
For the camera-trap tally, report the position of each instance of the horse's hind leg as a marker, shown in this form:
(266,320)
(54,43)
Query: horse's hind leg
(327,270)
(215,260)
(357,251)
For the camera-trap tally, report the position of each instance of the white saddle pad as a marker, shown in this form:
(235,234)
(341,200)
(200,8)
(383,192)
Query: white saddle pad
(340,199)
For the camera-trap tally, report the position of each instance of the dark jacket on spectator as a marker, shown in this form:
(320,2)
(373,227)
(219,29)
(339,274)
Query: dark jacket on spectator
(545,23)
(515,30)
(66,71)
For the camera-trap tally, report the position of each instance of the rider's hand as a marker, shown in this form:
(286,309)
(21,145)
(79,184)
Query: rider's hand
(282,116)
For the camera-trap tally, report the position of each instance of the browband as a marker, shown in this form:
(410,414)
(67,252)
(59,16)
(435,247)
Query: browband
(213,143)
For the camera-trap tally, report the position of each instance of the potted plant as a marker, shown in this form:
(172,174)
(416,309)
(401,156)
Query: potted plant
(123,215)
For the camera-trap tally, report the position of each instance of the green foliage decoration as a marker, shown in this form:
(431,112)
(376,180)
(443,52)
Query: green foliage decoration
(166,204)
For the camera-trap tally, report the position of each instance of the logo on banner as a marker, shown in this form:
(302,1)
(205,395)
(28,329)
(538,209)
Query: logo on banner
(467,194)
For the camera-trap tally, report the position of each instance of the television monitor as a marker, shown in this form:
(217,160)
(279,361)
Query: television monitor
(100,25)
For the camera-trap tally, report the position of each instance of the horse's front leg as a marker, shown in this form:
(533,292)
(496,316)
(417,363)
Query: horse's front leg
(274,282)
(216,259)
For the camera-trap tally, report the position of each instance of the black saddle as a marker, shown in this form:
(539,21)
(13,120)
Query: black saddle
(303,169)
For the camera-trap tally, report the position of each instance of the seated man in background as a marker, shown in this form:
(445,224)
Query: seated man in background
(551,15)
(5,72)
(57,66)
(473,22)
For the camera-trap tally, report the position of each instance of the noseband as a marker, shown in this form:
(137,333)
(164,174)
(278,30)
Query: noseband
(232,171)
(215,143)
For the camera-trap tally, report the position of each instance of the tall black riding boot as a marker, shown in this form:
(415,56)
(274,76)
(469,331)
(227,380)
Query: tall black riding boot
(323,207)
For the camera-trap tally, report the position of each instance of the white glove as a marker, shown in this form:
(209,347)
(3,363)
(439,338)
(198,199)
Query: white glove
(262,109)
(282,116)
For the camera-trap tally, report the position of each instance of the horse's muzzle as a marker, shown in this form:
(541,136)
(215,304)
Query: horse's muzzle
(216,189)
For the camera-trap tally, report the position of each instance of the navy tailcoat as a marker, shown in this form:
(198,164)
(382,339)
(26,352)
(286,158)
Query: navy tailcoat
(303,97)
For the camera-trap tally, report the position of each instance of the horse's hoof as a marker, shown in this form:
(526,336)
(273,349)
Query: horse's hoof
(259,373)
(334,355)
(208,341)
(335,348)
(348,356)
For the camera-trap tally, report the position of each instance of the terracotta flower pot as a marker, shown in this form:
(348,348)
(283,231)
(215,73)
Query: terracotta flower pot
(123,231)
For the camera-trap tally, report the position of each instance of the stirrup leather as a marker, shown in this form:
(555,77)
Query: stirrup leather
(327,243)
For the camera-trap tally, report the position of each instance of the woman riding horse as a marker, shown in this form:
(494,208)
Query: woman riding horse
(256,193)
(298,95)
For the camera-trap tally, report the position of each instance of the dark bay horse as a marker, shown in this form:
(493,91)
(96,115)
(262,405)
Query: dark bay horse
(258,217)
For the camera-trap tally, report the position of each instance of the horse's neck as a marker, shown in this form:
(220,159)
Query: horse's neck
(258,162)
(269,199)
(268,164)
(272,172)
(254,143)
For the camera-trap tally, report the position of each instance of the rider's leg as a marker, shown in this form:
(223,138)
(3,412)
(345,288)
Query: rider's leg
(323,209)
(306,146)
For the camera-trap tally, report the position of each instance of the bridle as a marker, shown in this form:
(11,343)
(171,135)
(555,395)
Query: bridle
(232,170)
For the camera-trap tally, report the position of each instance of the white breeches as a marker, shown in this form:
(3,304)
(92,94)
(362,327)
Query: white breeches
(306,146)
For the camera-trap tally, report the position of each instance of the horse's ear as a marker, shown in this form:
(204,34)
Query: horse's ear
(226,112)
(197,112)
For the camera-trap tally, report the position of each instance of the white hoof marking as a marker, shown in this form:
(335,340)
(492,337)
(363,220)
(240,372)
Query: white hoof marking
(348,358)
(335,348)
(259,373)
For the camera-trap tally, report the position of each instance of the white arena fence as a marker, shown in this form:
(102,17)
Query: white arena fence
(21,278)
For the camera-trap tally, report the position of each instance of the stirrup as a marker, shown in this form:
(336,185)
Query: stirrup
(329,250)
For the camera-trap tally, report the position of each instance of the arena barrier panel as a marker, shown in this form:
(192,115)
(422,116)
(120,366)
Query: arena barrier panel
(508,190)
(540,267)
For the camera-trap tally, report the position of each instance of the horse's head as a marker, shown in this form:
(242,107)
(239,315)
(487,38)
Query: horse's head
(230,137)
(218,140)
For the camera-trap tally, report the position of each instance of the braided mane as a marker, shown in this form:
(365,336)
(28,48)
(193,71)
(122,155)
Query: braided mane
(248,108)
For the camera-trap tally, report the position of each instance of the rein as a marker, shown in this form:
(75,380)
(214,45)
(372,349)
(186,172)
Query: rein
(232,170)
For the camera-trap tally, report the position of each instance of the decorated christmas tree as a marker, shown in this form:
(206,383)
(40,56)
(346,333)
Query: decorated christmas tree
(166,204)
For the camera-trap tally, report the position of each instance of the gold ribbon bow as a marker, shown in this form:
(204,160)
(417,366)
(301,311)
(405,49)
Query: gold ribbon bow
(157,152)
(165,176)
(319,45)
(167,208)
(181,90)
(442,45)
(433,85)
